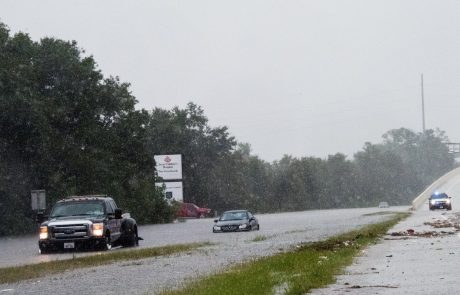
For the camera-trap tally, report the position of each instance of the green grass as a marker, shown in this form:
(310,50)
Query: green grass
(310,266)
(30,271)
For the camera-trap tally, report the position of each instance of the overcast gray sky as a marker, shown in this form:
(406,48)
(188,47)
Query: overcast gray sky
(306,78)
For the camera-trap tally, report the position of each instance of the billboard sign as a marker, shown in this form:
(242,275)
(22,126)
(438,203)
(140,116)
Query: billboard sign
(173,190)
(169,167)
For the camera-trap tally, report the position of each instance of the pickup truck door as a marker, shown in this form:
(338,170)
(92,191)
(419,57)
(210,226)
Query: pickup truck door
(113,224)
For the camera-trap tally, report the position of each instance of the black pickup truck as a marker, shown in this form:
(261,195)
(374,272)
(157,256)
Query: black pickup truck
(87,222)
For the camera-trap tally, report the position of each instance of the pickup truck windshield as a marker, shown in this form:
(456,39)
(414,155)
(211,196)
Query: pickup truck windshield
(77,209)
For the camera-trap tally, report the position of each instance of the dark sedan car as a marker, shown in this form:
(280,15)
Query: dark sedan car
(236,220)
(439,201)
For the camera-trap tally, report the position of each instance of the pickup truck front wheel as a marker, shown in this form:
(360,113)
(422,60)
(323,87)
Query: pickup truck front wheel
(106,244)
(44,250)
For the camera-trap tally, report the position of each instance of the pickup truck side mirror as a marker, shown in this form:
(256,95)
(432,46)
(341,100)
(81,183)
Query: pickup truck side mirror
(118,213)
(41,217)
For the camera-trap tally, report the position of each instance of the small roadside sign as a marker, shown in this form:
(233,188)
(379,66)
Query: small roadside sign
(38,199)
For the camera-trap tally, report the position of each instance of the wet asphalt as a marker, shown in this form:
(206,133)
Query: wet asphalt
(310,225)
(280,232)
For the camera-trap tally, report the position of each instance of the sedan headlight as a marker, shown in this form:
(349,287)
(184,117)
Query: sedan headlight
(43,232)
(98,229)
(216,227)
(243,226)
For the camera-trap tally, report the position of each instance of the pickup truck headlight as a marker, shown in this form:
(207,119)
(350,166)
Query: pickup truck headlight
(447,201)
(98,229)
(43,232)
(432,202)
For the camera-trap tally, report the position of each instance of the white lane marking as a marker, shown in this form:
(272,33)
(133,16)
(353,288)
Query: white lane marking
(6,290)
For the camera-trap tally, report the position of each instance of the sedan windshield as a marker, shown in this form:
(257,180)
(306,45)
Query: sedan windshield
(233,216)
(77,209)
(439,196)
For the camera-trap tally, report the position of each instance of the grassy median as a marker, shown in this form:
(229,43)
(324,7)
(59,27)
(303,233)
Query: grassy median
(31,271)
(310,266)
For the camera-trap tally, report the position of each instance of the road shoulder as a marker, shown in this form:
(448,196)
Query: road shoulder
(420,255)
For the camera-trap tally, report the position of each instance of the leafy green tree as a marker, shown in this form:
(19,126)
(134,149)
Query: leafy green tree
(400,168)
(70,130)
(341,182)
(424,155)
(308,184)
(282,189)
(382,176)
(258,179)
(204,149)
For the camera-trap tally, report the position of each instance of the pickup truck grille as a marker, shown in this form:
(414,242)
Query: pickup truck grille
(73,231)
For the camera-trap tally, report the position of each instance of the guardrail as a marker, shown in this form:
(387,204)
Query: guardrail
(418,201)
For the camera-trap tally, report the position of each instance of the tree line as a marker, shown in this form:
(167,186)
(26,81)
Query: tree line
(66,128)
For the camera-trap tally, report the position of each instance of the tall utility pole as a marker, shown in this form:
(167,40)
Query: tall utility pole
(423,108)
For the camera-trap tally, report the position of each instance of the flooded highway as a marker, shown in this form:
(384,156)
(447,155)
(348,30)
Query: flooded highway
(316,224)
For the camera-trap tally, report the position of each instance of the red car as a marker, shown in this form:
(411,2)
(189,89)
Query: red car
(192,210)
